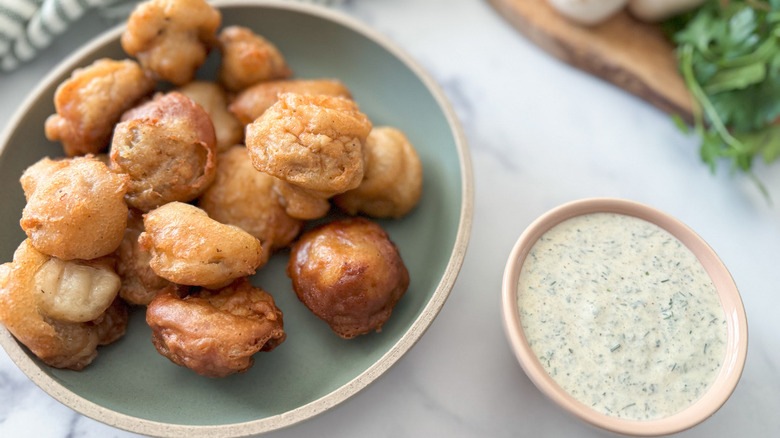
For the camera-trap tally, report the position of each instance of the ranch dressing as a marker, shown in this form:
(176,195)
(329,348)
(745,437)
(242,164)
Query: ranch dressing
(622,316)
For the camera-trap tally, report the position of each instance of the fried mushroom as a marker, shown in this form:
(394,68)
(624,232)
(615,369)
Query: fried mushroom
(188,247)
(112,324)
(212,98)
(216,333)
(40,171)
(171,38)
(312,141)
(299,203)
(392,181)
(78,211)
(90,102)
(139,282)
(168,148)
(60,344)
(75,291)
(349,274)
(244,197)
(253,101)
(248,58)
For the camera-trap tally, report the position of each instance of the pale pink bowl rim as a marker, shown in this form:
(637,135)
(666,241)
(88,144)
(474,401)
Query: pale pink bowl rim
(736,349)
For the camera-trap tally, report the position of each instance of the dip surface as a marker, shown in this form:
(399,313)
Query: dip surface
(622,315)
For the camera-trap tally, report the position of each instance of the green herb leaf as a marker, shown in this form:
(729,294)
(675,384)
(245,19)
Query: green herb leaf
(736,78)
(729,57)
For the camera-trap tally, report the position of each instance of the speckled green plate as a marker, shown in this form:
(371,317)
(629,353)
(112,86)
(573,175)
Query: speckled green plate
(130,386)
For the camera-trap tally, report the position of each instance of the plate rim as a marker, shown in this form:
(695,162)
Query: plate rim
(418,327)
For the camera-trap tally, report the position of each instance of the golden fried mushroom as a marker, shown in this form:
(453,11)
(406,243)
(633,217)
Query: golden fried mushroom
(168,148)
(215,333)
(392,180)
(312,141)
(77,211)
(112,324)
(76,291)
(40,171)
(139,282)
(190,248)
(349,274)
(299,203)
(252,102)
(103,158)
(90,102)
(244,197)
(212,98)
(60,344)
(171,38)
(248,58)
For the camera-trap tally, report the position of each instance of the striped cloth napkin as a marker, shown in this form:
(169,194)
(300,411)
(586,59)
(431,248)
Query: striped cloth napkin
(29,26)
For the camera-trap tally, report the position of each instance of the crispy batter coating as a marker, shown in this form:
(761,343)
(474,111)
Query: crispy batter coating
(90,102)
(212,98)
(215,333)
(40,171)
(392,180)
(312,141)
(78,211)
(168,148)
(103,158)
(190,248)
(112,324)
(171,38)
(57,343)
(349,274)
(252,102)
(299,203)
(244,197)
(248,58)
(139,282)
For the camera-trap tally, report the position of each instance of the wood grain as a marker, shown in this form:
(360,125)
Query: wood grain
(633,55)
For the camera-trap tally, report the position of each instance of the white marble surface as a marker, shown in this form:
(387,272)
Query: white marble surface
(540,134)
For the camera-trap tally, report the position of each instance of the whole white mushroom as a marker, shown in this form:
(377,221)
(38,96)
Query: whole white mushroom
(657,10)
(588,12)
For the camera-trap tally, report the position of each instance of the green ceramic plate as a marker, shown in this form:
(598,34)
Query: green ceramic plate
(132,387)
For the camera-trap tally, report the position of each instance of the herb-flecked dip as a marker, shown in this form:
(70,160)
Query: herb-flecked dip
(622,315)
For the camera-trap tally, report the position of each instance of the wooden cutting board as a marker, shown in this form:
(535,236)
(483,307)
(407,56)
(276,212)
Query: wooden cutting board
(633,55)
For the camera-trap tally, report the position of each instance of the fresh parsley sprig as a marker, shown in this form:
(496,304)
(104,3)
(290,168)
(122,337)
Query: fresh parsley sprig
(729,57)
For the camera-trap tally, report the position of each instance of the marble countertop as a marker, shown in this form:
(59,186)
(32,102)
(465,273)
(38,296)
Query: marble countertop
(541,134)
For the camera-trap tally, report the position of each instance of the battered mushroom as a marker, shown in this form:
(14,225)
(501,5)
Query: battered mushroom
(90,102)
(168,148)
(40,171)
(139,282)
(76,291)
(244,197)
(77,211)
(216,333)
(112,324)
(248,58)
(312,141)
(349,274)
(190,248)
(392,181)
(171,38)
(212,98)
(252,102)
(58,343)
(299,203)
